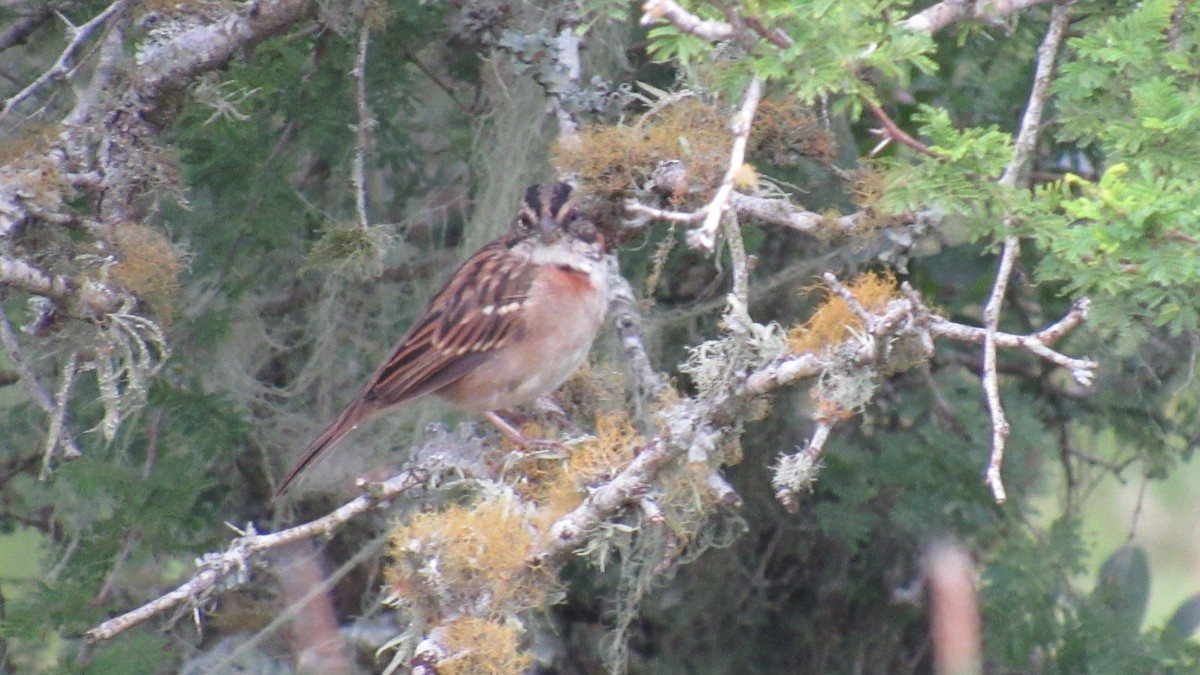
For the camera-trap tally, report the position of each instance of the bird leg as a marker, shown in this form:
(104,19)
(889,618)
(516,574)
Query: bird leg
(514,435)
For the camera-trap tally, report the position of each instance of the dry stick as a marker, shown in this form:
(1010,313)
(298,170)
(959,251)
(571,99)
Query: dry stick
(705,236)
(628,324)
(892,132)
(937,17)
(216,568)
(58,419)
(40,396)
(362,130)
(1017,168)
(62,66)
(92,297)
(991,387)
(657,10)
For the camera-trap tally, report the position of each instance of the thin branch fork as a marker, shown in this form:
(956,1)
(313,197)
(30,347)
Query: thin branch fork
(705,236)
(911,315)
(1015,173)
(892,132)
(235,562)
(62,66)
(92,298)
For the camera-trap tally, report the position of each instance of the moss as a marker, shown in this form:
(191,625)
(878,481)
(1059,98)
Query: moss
(481,647)
(474,556)
(834,322)
(148,266)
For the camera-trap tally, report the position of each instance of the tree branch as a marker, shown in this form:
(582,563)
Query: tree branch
(364,128)
(1016,172)
(667,10)
(63,65)
(236,562)
(705,236)
(34,388)
(937,17)
(91,300)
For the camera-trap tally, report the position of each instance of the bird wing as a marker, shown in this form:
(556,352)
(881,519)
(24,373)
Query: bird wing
(476,313)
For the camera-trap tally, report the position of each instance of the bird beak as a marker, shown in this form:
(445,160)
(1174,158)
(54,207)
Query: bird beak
(549,229)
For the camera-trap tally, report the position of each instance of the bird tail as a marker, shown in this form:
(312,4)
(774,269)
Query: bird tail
(344,424)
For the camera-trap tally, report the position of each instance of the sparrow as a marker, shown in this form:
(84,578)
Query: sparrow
(511,324)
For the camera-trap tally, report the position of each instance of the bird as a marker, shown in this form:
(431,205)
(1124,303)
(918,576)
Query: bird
(511,324)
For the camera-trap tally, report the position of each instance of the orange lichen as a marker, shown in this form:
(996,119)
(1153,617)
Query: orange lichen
(586,464)
(783,129)
(467,556)
(481,647)
(611,159)
(834,322)
(599,458)
(148,266)
(745,178)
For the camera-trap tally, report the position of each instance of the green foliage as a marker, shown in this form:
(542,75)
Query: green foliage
(1127,239)
(961,180)
(1129,95)
(834,42)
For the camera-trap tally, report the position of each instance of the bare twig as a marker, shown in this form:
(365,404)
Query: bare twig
(991,379)
(58,420)
(696,216)
(62,66)
(8,337)
(666,10)
(235,562)
(892,132)
(910,314)
(705,236)
(628,323)
(937,17)
(786,214)
(1016,171)
(364,128)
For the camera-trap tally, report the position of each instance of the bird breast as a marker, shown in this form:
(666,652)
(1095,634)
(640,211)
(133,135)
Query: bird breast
(564,311)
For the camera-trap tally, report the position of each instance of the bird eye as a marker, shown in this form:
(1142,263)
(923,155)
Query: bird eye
(585,230)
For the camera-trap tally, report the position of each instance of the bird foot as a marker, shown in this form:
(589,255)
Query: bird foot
(524,442)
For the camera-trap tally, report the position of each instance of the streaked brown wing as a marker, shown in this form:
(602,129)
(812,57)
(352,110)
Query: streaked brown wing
(475,314)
